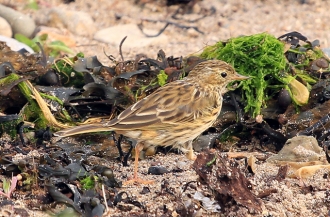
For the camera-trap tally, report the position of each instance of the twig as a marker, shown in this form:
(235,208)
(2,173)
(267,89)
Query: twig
(120,50)
(174,16)
(166,25)
(259,156)
(105,199)
(43,61)
(110,57)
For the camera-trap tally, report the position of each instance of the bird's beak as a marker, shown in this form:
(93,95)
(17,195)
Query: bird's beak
(240,77)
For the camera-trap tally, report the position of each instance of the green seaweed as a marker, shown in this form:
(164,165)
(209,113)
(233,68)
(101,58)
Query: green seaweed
(64,112)
(51,48)
(88,182)
(30,112)
(262,58)
(9,127)
(69,76)
(162,78)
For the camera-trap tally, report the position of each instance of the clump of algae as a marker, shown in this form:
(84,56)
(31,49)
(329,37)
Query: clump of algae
(30,112)
(260,56)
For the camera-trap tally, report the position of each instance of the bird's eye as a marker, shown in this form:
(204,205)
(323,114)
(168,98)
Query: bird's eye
(223,74)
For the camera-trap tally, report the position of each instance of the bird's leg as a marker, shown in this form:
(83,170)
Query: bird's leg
(191,155)
(135,179)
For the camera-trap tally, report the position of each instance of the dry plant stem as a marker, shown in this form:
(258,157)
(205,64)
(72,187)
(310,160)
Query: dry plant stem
(167,23)
(44,108)
(135,179)
(120,50)
(105,199)
(259,156)
(66,60)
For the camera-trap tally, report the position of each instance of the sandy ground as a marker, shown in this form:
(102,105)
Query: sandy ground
(232,18)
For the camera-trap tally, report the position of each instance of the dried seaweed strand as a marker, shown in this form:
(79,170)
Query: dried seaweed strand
(120,50)
(166,25)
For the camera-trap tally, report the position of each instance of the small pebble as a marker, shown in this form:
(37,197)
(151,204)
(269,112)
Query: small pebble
(322,63)
(155,163)
(284,98)
(157,170)
(20,23)
(5,28)
(181,165)
(75,21)
(204,142)
(145,190)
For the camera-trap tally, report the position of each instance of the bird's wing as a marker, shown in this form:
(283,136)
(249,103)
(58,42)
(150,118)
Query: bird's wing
(172,104)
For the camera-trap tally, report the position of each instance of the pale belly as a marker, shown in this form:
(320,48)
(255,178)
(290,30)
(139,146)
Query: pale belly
(176,136)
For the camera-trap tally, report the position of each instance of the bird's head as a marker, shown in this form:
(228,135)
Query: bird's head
(215,72)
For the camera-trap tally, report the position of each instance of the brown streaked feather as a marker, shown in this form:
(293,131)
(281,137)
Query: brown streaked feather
(90,128)
(132,119)
(170,109)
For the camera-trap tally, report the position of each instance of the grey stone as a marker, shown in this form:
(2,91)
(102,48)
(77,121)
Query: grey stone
(299,149)
(135,38)
(157,170)
(204,142)
(20,23)
(77,22)
(326,51)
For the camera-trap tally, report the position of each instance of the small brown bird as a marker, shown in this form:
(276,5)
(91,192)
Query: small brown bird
(175,114)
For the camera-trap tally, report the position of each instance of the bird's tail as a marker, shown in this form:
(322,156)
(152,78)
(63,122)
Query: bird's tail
(90,128)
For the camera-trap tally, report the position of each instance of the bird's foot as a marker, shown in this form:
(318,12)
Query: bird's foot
(191,155)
